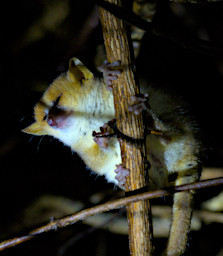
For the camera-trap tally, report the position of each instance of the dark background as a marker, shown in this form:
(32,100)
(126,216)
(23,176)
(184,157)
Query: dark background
(37,39)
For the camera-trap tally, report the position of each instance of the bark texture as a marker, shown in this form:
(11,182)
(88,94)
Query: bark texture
(133,152)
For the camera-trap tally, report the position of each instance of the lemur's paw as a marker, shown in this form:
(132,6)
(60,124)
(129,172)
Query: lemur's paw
(102,141)
(102,137)
(140,103)
(122,174)
(110,71)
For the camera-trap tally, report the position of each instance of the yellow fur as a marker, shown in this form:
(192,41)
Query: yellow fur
(89,106)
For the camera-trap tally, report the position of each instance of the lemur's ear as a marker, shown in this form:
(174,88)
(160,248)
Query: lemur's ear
(77,71)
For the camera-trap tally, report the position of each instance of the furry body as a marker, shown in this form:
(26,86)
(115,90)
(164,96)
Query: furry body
(81,104)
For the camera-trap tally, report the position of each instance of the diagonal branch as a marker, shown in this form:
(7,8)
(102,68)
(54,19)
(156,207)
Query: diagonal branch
(116,204)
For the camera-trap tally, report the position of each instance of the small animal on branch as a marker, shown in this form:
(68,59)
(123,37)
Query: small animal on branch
(77,109)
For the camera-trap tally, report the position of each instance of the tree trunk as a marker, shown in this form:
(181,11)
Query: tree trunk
(133,153)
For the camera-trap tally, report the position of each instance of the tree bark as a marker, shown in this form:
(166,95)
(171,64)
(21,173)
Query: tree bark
(133,153)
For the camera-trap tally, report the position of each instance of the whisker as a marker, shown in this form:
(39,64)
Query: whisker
(39,143)
(31,138)
(22,119)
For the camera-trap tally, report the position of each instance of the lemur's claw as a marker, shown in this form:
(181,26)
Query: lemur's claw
(140,103)
(122,174)
(102,137)
(110,74)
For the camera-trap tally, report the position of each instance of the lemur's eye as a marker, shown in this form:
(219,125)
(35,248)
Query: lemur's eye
(57,117)
(54,109)
(52,117)
(57,101)
(190,165)
(54,114)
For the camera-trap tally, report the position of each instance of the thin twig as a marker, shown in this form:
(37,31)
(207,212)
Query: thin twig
(195,1)
(70,220)
(194,44)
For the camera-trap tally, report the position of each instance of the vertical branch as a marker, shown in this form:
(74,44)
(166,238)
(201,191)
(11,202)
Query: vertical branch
(133,154)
